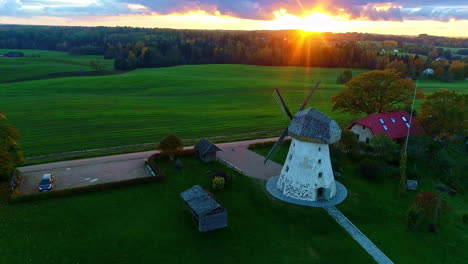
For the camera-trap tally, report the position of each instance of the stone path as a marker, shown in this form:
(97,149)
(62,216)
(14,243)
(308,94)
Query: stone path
(249,162)
(372,249)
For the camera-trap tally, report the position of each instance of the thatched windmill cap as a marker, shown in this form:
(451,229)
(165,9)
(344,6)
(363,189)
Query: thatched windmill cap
(311,125)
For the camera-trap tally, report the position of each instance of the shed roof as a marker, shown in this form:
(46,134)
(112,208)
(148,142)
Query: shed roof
(200,200)
(314,126)
(205,146)
(394,124)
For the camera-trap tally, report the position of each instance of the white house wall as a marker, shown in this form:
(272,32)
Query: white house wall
(300,177)
(363,132)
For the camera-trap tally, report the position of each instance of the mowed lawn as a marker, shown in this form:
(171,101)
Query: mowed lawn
(144,105)
(376,209)
(147,224)
(45,64)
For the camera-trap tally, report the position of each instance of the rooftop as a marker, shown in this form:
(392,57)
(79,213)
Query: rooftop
(314,126)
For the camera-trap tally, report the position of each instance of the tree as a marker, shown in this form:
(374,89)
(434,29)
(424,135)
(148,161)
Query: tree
(398,66)
(170,145)
(384,147)
(345,77)
(374,92)
(97,65)
(443,114)
(457,68)
(10,154)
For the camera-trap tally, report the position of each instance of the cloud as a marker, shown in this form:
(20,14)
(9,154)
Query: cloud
(10,7)
(396,10)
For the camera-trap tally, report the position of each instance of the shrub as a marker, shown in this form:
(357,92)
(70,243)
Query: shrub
(345,77)
(170,145)
(217,183)
(465,218)
(413,217)
(371,169)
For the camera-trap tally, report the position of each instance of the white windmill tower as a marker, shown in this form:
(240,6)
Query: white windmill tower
(307,173)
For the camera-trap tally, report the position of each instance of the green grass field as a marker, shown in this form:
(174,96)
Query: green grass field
(144,105)
(375,208)
(40,64)
(147,223)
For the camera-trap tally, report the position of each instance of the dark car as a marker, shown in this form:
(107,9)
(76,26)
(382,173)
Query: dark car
(47,183)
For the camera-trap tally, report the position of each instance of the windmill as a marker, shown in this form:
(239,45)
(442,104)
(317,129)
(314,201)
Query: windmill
(307,173)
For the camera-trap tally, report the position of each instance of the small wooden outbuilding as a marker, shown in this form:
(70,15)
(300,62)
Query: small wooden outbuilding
(206,151)
(206,211)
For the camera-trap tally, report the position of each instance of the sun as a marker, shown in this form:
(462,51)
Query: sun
(313,21)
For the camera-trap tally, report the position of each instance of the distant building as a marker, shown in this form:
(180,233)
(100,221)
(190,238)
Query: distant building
(395,51)
(441,58)
(206,151)
(428,72)
(394,124)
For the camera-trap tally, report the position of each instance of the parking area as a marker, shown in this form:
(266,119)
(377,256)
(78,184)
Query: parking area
(77,173)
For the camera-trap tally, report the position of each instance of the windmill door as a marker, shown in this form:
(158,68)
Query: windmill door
(320,192)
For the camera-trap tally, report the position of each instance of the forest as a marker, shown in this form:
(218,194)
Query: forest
(133,48)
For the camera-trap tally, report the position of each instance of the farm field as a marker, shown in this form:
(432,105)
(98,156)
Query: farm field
(147,223)
(142,106)
(40,64)
(375,208)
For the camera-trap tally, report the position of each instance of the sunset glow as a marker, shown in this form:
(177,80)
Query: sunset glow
(392,17)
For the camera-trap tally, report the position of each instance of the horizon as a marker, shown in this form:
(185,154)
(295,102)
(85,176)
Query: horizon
(397,17)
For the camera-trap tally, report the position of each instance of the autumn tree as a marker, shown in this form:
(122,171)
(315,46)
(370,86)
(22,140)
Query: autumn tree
(398,66)
(10,154)
(374,92)
(170,145)
(390,44)
(457,68)
(443,114)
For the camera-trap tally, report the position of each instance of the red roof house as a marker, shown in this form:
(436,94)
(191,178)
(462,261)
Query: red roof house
(394,124)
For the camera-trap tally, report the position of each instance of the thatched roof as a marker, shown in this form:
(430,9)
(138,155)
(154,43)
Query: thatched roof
(205,146)
(314,126)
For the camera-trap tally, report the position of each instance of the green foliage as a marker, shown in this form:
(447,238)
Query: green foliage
(218,183)
(443,115)
(97,65)
(345,77)
(413,218)
(374,92)
(372,169)
(348,142)
(385,148)
(465,218)
(10,153)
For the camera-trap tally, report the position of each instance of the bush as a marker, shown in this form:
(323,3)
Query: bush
(345,77)
(413,217)
(465,218)
(218,183)
(371,169)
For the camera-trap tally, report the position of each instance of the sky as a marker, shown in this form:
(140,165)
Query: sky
(407,17)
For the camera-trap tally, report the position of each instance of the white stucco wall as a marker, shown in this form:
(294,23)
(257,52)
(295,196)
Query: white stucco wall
(362,131)
(299,177)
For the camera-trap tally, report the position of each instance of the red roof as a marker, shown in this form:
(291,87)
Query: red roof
(394,124)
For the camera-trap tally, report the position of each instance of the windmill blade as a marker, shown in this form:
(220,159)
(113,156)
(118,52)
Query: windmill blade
(285,133)
(280,101)
(310,95)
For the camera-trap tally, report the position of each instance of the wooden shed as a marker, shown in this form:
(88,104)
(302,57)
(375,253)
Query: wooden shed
(206,151)
(206,211)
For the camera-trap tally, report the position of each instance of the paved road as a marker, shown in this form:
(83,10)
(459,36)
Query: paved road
(77,173)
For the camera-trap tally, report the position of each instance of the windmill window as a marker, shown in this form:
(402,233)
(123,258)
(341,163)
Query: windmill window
(320,149)
(287,168)
(290,157)
(320,175)
(404,118)
(393,119)
(385,127)
(381,121)
(407,125)
(319,161)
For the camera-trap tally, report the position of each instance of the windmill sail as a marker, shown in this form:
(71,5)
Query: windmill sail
(310,95)
(281,138)
(280,101)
